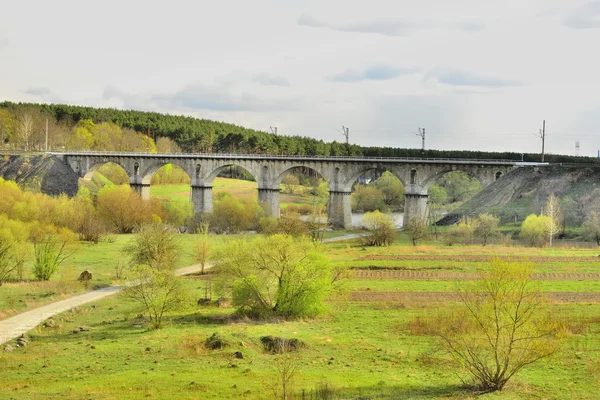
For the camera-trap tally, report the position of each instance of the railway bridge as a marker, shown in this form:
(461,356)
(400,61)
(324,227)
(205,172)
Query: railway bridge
(340,173)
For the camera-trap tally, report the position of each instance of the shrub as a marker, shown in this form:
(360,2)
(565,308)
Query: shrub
(461,233)
(534,230)
(232,215)
(382,231)
(367,198)
(417,229)
(275,275)
(486,226)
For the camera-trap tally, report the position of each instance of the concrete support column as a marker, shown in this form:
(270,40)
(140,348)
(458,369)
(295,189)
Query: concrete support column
(269,200)
(339,212)
(143,189)
(201,197)
(415,206)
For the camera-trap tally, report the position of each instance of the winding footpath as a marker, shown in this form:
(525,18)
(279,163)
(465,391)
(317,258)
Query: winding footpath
(19,324)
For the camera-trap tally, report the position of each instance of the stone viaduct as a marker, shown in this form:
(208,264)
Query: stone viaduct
(268,170)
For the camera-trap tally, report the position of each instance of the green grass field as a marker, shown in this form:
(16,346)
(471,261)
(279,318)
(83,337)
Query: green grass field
(363,349)
(238,188)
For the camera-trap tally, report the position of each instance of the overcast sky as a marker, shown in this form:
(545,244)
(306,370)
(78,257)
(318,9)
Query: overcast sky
(477,74)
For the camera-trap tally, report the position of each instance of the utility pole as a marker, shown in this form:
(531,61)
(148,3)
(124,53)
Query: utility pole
(543,137)
(346,133)
(422,134)
(273,130)
(46,134)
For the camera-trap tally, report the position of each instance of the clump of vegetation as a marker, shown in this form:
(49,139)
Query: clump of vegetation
(486,227)
(153,255)
(417,229)
(232,215)
(534,230)
(276,275)
(461,233)
(381,228)
(503,326)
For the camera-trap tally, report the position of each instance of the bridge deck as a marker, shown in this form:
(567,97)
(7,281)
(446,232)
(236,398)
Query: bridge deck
(399,160)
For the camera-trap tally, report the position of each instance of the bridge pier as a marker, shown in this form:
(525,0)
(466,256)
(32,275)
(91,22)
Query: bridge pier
(269,200)
(415,206)
(339,212)
(143,189)
(201,197)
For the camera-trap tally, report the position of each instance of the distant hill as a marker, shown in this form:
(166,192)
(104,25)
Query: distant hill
(202,135)
(524,191)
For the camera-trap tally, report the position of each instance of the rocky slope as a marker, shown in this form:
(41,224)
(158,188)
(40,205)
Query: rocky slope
(524,191)
(39,173)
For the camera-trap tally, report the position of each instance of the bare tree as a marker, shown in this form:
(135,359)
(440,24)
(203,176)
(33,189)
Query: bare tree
(417,229)
(503,327)
(287,366)
(552,211)
(203,248)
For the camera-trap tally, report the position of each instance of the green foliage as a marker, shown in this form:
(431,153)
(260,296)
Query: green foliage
(437,195)
(13,251)
(275,275)
(503,326)
(417,229)
(153,254)
(382,231)
(486,227)
(391,189)
(291,184)
(534,230)
(50,251)
(459,186)
(461,233)
(200,135)
(287,224)
(366,198)
(591,227)
(232,215)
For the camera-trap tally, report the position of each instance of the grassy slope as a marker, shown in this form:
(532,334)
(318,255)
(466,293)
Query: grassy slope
(365,348)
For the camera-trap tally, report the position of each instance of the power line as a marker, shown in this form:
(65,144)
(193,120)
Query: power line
(422,134)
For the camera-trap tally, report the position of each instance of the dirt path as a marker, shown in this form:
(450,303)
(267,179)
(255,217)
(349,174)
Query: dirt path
(464,276)
(441,297)
(15,326)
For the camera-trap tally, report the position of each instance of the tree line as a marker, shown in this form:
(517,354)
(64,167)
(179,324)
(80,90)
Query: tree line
(201,135)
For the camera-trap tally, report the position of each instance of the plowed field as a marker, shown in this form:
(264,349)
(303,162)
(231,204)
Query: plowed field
(462,276)
(440,297)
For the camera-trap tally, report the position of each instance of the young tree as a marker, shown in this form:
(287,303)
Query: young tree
(391,189)
(486,226)
(382,231)
(153,255)
(591,227)
(460,233)
(417,229)
(122,209)
(50,251)
(203,247)
(534,230)
(503,326)
(552,211)
(367,198)
(275,275)
(291,183)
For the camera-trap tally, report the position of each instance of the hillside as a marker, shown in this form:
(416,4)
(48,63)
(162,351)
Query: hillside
(39,173)
(202,135)
(524,191)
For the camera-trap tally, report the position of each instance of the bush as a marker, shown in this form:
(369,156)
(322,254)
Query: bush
(275,275)
(461,233)
(367,198)
(417,230)
(382,231)
(232,215)
(486,226)
(534,230)
(123,209)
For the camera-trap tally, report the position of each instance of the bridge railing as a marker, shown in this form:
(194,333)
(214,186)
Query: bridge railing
(277,157)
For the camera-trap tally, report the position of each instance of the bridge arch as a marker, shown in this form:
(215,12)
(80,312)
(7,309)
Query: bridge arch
(210,177)
(94,167)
